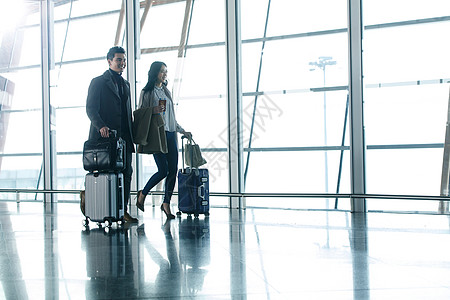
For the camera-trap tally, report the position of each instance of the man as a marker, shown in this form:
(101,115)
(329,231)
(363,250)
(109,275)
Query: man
(108,106)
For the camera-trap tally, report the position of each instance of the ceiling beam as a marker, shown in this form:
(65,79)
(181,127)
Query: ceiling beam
(120,24)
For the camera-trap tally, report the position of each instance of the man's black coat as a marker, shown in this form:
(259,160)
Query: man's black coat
(103,107)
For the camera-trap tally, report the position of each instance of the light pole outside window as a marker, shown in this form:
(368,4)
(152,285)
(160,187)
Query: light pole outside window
(322,63)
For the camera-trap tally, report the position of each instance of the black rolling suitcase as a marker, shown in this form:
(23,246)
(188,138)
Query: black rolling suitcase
(193,190)
(104,198)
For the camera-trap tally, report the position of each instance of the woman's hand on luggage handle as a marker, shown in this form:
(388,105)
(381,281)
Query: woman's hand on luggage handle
(188,135)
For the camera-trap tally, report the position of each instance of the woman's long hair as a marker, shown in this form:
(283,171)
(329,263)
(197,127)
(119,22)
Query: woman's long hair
(153,75)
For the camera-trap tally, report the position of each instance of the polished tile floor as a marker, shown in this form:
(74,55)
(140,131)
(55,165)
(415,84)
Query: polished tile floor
(46,253)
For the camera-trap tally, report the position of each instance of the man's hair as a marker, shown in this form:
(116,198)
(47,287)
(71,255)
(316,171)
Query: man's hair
(112,52)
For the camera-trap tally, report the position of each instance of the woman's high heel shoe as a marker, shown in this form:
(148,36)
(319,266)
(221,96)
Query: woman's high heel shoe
(140,204)
(168,214)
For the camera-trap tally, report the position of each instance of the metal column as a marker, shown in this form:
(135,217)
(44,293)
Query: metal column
(234,92)
(357,142)
(132,30)
(133,45)
(48,150)
(445,178)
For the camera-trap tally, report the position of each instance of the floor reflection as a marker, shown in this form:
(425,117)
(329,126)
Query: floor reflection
(168,277)
(359,247)
(45,253)
(195,253)
(12,282)
(111,261)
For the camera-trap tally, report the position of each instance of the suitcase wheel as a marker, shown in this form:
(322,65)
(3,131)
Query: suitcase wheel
(108,223)
(86,222)
(179,213)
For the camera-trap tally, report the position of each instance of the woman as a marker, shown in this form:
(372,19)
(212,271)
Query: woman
(156,95)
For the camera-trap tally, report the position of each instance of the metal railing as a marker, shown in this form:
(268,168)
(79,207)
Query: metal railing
(255,195)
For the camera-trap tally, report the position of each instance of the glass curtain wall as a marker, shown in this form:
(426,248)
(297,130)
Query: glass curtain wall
(21,98)
(295,76)
(406,72)
(189,36)
(76,58)
(79,57)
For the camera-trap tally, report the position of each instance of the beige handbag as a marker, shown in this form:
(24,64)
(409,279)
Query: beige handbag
(193,155)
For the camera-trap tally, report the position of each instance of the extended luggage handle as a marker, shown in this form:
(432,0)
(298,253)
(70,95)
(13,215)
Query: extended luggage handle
(120,155)
(190,142)
(113,132)
(182,149)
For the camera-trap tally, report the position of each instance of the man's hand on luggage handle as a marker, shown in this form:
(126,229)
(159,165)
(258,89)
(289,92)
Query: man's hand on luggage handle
(104,132)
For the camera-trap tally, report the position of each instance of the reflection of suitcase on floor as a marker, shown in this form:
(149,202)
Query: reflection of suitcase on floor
(194,235)
(193,190)
(104,198)
(109,263)
(195,252)
(105,252)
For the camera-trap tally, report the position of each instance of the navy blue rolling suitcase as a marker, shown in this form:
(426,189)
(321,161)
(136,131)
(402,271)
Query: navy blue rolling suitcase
(193,190)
